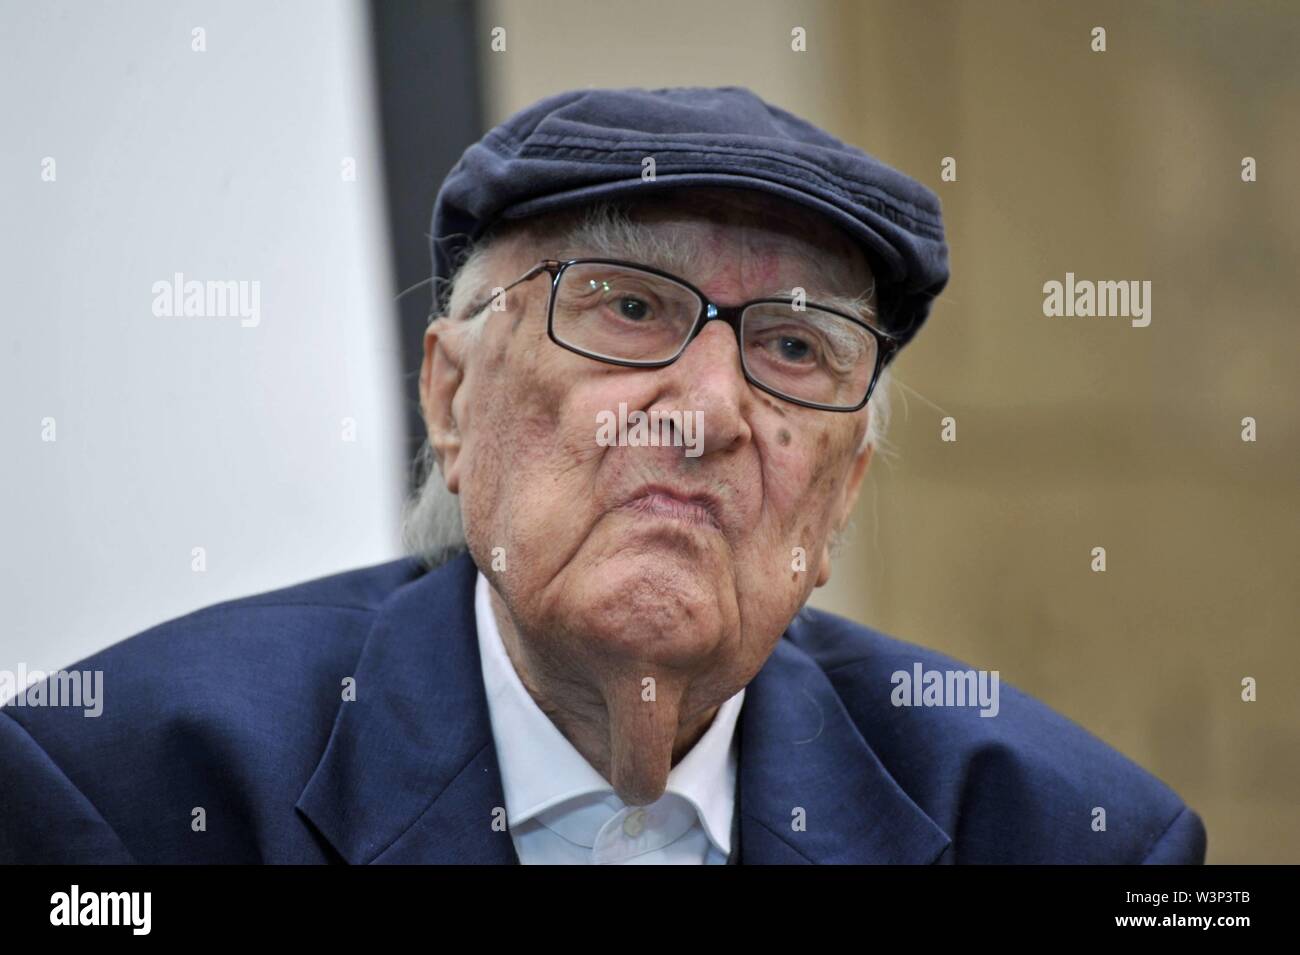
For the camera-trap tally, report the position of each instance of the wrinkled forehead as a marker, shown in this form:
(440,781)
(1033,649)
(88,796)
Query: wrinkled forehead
(702,233)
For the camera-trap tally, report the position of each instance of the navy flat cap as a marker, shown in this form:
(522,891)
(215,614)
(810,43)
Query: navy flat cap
(589,144)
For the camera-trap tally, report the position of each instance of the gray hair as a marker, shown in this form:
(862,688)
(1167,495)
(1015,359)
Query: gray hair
(432,528)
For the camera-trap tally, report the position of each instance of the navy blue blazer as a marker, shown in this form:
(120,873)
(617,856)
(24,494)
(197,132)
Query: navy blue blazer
(238,709)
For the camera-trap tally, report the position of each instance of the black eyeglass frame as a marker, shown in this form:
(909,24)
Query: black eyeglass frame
(887,345)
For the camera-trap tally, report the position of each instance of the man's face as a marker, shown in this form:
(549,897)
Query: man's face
(618,560)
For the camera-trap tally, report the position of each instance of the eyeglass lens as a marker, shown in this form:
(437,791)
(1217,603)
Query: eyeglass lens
(625,314)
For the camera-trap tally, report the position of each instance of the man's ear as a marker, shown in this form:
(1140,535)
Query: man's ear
(441,376)
(844,507)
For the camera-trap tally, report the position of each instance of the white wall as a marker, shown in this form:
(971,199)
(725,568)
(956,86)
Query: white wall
(176,433)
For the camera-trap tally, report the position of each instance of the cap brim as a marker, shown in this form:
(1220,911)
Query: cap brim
(881,254)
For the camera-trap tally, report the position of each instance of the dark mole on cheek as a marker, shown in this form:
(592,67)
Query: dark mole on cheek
(783,437)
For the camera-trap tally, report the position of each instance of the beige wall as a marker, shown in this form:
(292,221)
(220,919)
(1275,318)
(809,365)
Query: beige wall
(1071,433)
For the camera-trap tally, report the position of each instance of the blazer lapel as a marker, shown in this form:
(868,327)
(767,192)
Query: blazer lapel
(810,788)
(410,774)
(410,771)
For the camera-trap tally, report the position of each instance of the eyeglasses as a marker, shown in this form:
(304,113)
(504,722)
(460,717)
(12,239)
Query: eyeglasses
(640,317)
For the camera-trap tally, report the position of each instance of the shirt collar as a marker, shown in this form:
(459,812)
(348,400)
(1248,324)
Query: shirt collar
(541,769)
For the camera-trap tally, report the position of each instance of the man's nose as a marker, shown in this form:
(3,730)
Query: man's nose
(708,377)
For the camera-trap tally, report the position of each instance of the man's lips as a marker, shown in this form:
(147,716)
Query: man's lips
(698,509)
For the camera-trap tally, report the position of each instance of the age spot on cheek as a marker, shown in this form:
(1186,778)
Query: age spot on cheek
(783,437)
(773,405)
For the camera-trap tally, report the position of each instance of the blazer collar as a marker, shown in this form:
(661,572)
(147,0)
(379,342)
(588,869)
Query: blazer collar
(410,773)
(811,789)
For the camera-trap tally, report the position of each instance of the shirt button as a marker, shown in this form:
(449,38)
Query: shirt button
(634,824)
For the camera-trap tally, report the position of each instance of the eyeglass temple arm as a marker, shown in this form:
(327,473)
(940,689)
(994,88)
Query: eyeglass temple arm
(546,265)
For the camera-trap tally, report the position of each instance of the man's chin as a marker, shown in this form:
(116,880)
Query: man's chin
(655,606)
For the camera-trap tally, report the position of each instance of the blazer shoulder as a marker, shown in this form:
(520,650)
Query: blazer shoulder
(237,697)
(1008,777)
(271,640)
(327,609)
(360,589)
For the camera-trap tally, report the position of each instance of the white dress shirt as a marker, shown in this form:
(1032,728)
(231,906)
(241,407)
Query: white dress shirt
(561,810)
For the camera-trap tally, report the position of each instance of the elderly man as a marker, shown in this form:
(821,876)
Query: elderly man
(652,388)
